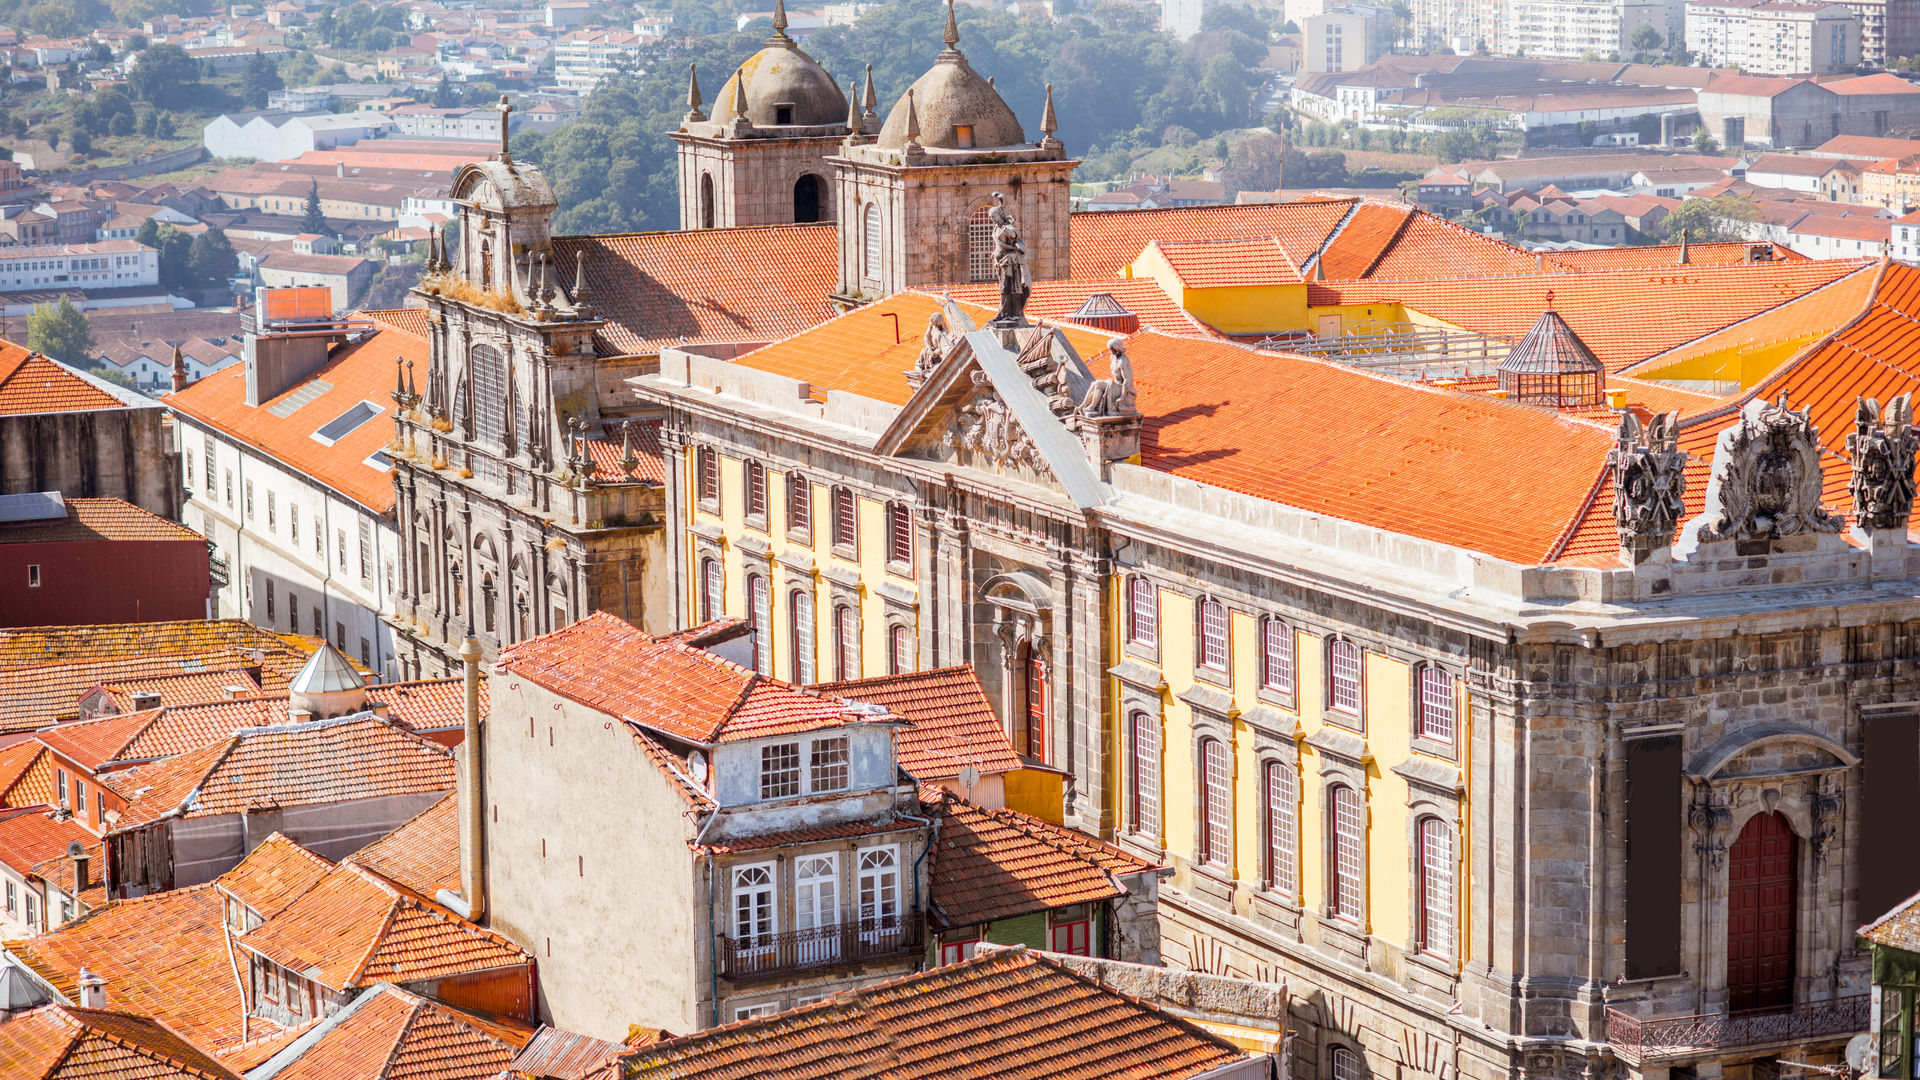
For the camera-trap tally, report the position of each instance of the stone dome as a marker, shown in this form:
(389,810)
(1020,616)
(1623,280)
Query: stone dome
(949,96)
(782,76)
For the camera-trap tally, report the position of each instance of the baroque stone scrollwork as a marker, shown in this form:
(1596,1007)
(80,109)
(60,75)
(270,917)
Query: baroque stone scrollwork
(1826,817)
(1882,448)
(1649,481)
(985,427)
(1766,477)
(1112,396)
(1712,817)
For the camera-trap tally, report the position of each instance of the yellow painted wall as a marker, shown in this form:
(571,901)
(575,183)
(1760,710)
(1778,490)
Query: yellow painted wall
(1040,792)
(1742,363)
(1250,309)
(1179,769)
(1390,738)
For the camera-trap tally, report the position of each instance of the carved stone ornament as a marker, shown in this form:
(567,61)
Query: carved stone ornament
(1010,264)
(1649,481)
(986,428)
(1766,477)
(934,346)
(1712,819)
(1112,396)
(1882,447)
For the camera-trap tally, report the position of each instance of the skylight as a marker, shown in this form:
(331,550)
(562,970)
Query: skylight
(340,426)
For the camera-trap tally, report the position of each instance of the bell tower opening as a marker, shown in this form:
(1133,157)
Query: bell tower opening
(706,200)
(806,199)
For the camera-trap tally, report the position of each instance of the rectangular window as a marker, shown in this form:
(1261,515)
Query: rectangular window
(1217,788)
(753,910)
(827,771)
(1071,931)
(780,770)
(1436,886)
(879,886)
(800,610)
(757,491)
(707,474)
(319,626)
(366,653)
(845,528)
(1349,833)
(424,578)
(340,636)
(366,550)
(899,535)
(1143,615)
(13,898)
(229,479)
(210,473)
(60,783)
(79,798)
(293,522)
(1146,774)
(761,619)
(269,606)
(1213,635)
(1282,828)
(748,1012)
(1343,677)
(847,635)
(270,511)
(249,510)
(1436,705)
(799,504)
(319,539)
(340,546)
(958,945)
(33,575)
(1276,656)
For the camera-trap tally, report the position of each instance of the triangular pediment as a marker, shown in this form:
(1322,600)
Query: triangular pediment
(985,407)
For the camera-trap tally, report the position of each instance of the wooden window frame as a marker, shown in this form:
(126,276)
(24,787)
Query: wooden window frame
(1280,807)
(1143,743)
(755,477)
(1435,900)
(1216,802)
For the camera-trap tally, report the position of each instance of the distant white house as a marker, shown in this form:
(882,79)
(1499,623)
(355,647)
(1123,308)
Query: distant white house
(279,136)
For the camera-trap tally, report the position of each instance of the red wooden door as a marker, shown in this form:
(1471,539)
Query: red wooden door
(1760,908)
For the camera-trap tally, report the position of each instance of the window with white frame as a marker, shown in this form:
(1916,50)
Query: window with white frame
(757,492)
(1343,677)
(816,902)
(1346,1065)
(1145,792)
(1282,829)
(780,770)
(706,472)
(712,590)
(1276,656)
(800,614)
(846,632)
(1213,635)
(1436,886)
(870,249)
(758,603)
(902,651)
(1216,797)
(799,504)
(845,525)
(827,765)
(754,914)
(899,535)
(1143,612)
(1349,852)
(879,885)
(1436,704)
(749,1012)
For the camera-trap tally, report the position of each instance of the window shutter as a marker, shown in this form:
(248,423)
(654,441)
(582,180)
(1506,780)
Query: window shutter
(1654,831)
(1890,773)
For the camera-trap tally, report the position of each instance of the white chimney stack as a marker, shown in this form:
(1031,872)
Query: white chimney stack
(93,990)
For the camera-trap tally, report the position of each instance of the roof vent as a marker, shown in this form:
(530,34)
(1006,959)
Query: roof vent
(1551,366)
(1102,311)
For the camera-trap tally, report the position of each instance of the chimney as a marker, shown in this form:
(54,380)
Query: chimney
(78,853)
(472,792)
(145,699)
(179,370)
(93,990)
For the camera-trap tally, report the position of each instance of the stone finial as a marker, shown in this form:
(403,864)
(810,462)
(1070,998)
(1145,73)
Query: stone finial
(179,370)
(695,114)
(582,292)
(853,109)
(913,124)
(869,103)
(780,24)
(1766,477)
(1882,448)
(1649,483)
(951,35)
(741,124)
(506,116)
(413,395)
(399,394)
(628,460)
(1048,125)
(1686,235)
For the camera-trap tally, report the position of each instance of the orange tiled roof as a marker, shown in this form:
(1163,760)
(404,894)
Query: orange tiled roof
(1105,241)
(34,786)
(1207,264)
(185,688)
(1809,316)
(30,837)
(423,854)
(31,383)
(321,761)
(1056,301)
(1419,461)
(605,450)
(1897,929)
(428,704)
(390,1034)
(34,696)
(745,284)
(997,864)
(356,373)
(1653,256)
(100,519)
(163,955)
(1003,1013)
(15,762)
(36,645)
(953,723)
(565,1055)
(61,1042)
(1612,311)
(667,685)
(273,875)
(60,872)
(355,928)
(411,320)
(1421,245)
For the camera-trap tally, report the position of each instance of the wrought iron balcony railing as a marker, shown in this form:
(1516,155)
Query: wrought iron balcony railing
(1640,1041)
(764,955)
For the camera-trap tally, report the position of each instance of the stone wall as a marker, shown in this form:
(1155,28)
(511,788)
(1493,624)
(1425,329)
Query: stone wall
(122,453)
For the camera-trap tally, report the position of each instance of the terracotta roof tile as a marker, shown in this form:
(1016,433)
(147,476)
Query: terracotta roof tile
(423,854)
(15,762)
(357,372)
(1207,264)
(1433,247)
(320,761)
(60,872)
(394,1035)
(30,837)
(564,1055)
(1897,929)
(31,383)
(1803,319)
(273,875)
(953,722)
(96,520)
(411,320)
(185,688)
(1655,256)
(61,1042)
(996,864)
(163,955)
(605,450)
(355,928)
(1105,241)
(660,289)
(810,835)
(1005,1013)
(31,646)
(33,696)
(34,786)
(1056,301)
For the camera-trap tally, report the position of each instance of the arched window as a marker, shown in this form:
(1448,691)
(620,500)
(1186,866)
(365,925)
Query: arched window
(1143,612)
(1276,656)
(706,200)
(1030,722)
(902,659)
(870,246)
(1213,635)
(1282,829)
(1346,1065)
(1349,853)
(712,590)
(1144,734)
(1343,677)
(1436,886)
(1216,802)
(980,244)
(806,199)
(846,632)
(1436,704)
(489,373)
(758,602)
(800,640)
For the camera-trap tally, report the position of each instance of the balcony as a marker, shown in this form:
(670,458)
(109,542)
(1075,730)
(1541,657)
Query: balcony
(1645,1041)
(769,955)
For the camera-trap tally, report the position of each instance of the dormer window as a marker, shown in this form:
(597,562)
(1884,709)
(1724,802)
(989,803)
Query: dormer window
(779,770)
(783,114)
(828,767)
(963,136)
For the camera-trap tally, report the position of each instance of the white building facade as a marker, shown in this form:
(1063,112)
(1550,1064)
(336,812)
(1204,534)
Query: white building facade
(109,264)
(1777,37)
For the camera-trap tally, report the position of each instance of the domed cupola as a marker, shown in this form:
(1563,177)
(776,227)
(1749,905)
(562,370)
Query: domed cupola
(781,86)
(951,107)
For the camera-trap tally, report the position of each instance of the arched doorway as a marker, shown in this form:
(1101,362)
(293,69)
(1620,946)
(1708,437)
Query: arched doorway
(806,199)
(1762,882)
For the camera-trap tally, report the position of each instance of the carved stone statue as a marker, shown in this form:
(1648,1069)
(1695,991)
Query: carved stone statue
(1766,477)
(933,348)
(1882,448)
(1112,396)
(1649,481)
(1010,263)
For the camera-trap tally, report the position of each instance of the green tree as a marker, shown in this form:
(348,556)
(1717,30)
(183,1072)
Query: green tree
(210,258)
(60,331)
(1647,39)
(82,141)
(313,220)
(1704,143)
(121,124)
(149,234)
(261,77)
(1721,218)
(53,138)
(166,76)
(176,253)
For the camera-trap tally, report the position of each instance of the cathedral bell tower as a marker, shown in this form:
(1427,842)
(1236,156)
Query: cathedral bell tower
(917,202)
(760,158)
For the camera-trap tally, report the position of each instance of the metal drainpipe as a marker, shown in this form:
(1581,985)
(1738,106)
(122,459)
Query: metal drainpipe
(713,929)
(933,837)
(473,799)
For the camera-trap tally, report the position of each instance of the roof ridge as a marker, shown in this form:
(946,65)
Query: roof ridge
(414,1009)
(380,935)
(1353,210)
(1399,231)
(80,1032)
(7,792)
(1831,337)
(1559,546)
